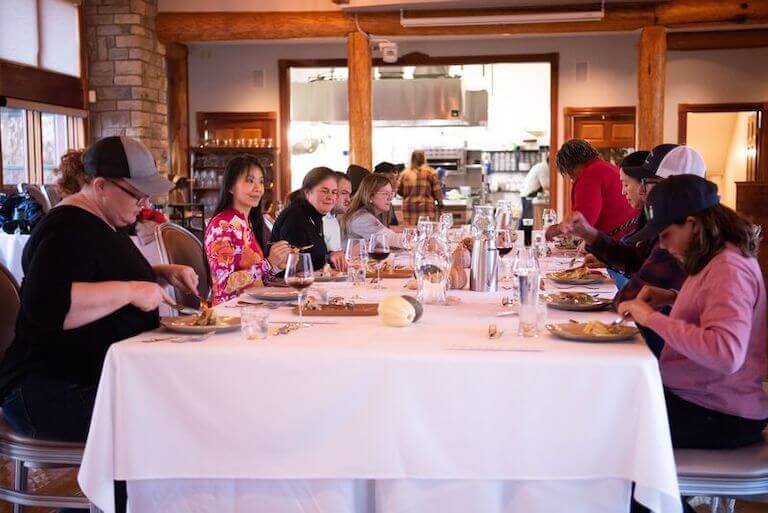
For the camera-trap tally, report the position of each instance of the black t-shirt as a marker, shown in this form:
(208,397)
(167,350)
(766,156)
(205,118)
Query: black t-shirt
(301,225)
(72,245)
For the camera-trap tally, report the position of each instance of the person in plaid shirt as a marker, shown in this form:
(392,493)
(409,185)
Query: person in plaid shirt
(637,256)
(420,190)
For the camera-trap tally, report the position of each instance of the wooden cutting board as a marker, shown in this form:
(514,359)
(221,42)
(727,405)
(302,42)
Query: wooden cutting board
(357,310)
(396,273)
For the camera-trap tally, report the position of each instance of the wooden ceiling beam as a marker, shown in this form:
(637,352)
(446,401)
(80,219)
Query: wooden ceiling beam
(717,39)
(231,26)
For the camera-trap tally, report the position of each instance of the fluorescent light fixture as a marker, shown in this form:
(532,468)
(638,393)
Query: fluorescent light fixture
(502,19)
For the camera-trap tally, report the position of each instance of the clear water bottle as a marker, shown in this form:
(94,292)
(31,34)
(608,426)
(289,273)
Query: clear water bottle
(528,275)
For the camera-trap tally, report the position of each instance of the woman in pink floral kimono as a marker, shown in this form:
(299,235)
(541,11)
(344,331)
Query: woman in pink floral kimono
(234,239)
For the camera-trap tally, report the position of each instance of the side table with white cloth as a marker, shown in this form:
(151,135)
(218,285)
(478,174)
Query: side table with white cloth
(355,417)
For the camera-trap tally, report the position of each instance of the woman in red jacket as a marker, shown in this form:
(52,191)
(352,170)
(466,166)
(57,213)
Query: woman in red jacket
(596,191)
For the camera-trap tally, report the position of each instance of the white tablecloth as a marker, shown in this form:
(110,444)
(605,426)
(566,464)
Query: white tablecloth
(12,246)
(359,417)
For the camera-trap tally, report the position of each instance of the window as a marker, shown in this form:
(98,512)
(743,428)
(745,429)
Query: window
(55,143)
(13,143)
(41,33)
(32,143)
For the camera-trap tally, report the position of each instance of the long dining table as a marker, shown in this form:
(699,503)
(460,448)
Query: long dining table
(351,416)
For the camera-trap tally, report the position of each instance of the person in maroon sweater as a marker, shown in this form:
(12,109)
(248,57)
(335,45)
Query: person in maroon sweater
(596,191)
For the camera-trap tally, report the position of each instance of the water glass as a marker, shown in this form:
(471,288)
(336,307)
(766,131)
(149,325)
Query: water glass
(541,316)
(356,256)
(254,322)
(446,221)
(528,277)
(549,217)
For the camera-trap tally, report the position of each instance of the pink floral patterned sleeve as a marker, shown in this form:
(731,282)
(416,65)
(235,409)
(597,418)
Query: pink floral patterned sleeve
(234,256)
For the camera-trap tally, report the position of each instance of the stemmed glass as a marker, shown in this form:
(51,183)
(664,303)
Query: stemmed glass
(549,218)
(410,236)
(446,223)
(505,242)
(378,250)
(356,255)
(299,275)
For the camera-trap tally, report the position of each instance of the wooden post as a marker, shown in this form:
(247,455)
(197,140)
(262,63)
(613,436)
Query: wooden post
(178,109)
(360,108)
(651,75)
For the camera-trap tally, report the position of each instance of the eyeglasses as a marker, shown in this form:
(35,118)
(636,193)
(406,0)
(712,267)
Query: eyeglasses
(328,192)
(387,195)
(141,200)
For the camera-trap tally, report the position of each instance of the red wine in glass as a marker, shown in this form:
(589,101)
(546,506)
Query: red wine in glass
(504,251)
(299,283)
(379,256)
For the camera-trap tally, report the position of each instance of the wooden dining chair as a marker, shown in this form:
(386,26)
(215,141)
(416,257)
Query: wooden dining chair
(724,475)
(179,246)
(26,452)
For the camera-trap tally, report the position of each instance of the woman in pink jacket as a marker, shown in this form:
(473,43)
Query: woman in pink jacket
(714,359)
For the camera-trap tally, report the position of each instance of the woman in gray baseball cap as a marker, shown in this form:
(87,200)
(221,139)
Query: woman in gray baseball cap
(86,285)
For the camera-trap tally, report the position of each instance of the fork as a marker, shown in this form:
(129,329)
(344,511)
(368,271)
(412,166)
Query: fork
(181,338)
(620,319)
(184,309)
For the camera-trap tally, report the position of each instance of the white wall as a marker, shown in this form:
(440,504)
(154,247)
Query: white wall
(711,133)
(713,76)
(221,76)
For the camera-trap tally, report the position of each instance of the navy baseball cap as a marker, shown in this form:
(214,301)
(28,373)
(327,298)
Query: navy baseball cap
(632,165)
(652,162)
(126,158)
(675,198)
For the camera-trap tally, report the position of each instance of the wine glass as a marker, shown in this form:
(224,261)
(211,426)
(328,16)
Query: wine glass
(549,218)
(378,250)
(299,275)
(446,222)
(505,241)
(356,255)
(410,236)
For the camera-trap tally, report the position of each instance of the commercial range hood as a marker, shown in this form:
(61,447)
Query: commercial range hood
(407,102)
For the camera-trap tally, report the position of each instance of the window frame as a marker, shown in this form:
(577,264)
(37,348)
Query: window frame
(34,133)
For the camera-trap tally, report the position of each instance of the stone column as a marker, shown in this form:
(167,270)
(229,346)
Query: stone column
(126,69)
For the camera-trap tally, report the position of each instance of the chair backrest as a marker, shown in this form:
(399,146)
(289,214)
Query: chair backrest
(269,222)
(11,301)
(179,246)
(53,194)
(39,196)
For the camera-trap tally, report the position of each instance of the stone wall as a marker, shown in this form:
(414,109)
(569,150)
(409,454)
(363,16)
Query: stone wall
(126,69)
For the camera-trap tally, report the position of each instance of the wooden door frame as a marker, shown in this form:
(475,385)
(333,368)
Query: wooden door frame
(415,59)
(570,114)
(761,160)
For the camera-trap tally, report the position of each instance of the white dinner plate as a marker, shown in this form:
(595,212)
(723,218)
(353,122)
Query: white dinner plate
(572,331)
(597,304)
(184,324)
(273,294)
